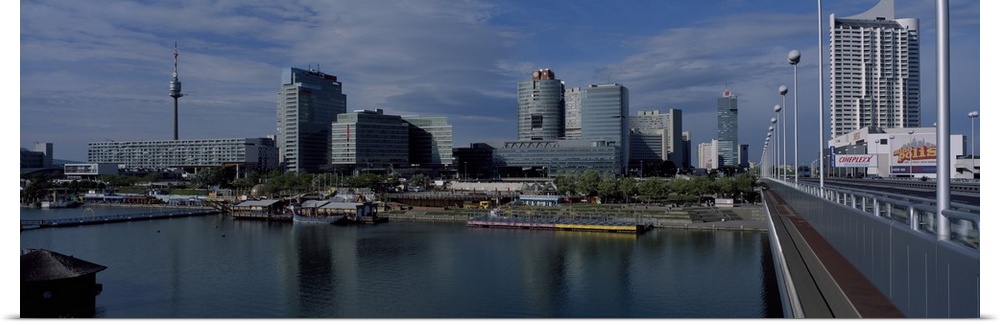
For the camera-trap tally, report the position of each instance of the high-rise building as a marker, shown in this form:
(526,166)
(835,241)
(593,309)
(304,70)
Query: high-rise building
(308,102)
(708,155)
(656,137)
(744,156)
(369,140)
(540,107)
(430,140)
(874,71)
(686,160)
(728,119)
(573,130)
(604,117)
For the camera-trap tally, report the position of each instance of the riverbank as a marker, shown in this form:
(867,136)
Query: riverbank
(744,218)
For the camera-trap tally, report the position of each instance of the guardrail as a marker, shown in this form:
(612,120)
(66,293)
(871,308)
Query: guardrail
(894,243)
(916,213)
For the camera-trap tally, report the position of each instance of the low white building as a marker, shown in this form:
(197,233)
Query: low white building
(89,170)
(897,152)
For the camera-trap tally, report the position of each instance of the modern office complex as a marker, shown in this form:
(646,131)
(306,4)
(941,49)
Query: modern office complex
(251,153)
(604,117)
(308,102)
(548,158)
(369,140)
(656,137)
(541,107)
(476,161)
(430,141)
(39,157)
(728,120)
(559,130)
(874,71)
(708,155)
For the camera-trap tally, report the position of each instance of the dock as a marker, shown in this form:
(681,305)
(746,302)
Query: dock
(563,224)
(70,222)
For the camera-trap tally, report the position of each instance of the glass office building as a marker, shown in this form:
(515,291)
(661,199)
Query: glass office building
(308,101)
(541,107)
(728,119)
(369,140)
(430,141)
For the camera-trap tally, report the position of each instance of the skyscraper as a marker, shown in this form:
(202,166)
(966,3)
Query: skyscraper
(728,120)
(686,157)
(572,97)
(874,71)
(308,103)
(604,116)
(541,107)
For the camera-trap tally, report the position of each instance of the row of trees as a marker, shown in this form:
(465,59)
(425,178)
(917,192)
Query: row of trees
(591,183)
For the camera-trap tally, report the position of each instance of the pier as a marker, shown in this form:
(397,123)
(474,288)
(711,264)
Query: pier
(70,222)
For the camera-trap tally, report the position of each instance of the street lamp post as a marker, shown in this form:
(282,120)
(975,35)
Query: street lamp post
(783,90)
(972,116)
(819,44)
(890,154)
(776,162)
(778,135)
(793,59)
(909,154)
(770,129)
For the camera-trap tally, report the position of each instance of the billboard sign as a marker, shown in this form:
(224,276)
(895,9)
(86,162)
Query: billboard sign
(913,154)
(856,161)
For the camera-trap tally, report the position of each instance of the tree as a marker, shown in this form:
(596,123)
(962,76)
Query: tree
(566,183)
(654,188)
(725,186)
(667,169)
(682,186)
(587,184)
(702,185)
(418,180)
(36,189)
(628,187)
(608,188)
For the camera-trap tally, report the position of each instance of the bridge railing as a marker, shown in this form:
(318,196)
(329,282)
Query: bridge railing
(916,213)
(893,242)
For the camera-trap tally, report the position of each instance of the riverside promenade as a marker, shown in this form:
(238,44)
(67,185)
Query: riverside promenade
(742,218)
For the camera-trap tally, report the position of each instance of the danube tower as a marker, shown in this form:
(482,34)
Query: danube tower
(175,90)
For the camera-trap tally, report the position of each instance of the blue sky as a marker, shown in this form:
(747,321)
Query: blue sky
(96,70)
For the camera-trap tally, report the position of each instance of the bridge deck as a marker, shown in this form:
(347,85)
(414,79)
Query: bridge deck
(827,284)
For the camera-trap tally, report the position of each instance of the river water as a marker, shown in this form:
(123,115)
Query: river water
(217,267)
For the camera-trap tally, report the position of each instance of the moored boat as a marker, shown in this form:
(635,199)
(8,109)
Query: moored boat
(298,218)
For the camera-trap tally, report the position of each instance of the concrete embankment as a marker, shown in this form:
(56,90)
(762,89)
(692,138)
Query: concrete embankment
(746,218)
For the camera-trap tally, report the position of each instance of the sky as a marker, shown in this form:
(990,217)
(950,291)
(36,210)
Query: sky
(99,70)
(91,71)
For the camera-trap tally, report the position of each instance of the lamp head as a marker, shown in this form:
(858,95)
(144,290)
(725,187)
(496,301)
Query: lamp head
(783,90)
(793,57)
(777,108)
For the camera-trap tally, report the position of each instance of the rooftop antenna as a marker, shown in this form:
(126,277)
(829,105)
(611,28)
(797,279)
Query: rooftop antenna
(175,90)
